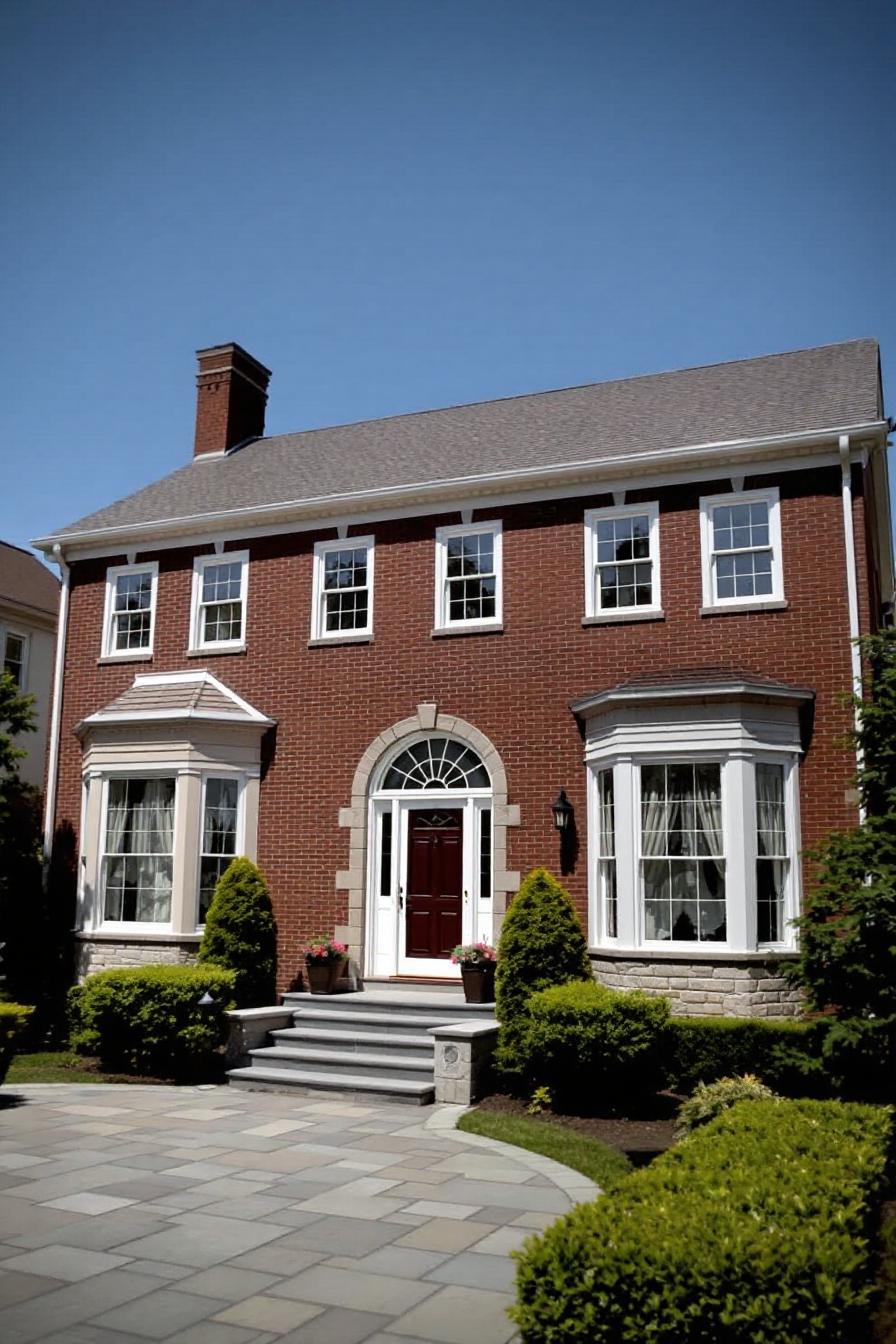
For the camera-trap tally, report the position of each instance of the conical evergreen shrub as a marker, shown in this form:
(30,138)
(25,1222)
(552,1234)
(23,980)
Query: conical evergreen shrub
(542,944)
(240,933)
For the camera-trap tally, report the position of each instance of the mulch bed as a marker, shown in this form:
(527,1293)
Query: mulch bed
(641,1137)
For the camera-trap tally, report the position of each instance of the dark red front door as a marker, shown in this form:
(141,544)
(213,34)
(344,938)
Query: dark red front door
(435,874)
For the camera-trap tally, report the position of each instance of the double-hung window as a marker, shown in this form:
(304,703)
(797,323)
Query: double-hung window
(468,577)
(606,812)
(220,811)
(741,536)
(622,561)
(219,601)
(682,853)
(15,650)
(130,610)
(772,858)
(138,850)
(342,604)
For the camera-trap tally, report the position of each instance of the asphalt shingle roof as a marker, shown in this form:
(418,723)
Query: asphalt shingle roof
(25,582)
(797,392)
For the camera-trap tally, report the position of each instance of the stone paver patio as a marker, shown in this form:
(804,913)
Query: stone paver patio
(212,1216)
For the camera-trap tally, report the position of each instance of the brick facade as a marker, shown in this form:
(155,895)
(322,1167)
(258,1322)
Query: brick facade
(513,686)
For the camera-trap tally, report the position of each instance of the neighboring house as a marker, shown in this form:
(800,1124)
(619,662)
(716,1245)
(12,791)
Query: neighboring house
(370,657)
(29,606)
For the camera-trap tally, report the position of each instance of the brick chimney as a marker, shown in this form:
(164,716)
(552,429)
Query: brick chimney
(231,394)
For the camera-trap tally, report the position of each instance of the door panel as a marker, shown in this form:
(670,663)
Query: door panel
(433,916)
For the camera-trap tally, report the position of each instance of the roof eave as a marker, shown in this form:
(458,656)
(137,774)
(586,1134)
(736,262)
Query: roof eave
(726,452)
(590,706)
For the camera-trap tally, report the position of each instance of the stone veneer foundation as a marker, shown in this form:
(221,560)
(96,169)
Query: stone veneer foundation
(102,954)
(724,987)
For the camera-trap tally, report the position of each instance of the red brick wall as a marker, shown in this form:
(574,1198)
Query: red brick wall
(515,687)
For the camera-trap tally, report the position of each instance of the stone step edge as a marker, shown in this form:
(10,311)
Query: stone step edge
(335,1082)
(345,1057)
(362,1002)
(302,1015)
(369,1039)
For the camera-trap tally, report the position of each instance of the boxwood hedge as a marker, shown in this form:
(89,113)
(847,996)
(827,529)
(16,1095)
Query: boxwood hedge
(757,1229)
(147,1020)
(13,1020)
(785,1055)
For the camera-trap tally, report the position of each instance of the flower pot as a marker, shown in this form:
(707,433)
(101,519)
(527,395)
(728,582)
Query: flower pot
(323,975)
(479,982)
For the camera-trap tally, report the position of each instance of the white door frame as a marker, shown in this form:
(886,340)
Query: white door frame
(387,880)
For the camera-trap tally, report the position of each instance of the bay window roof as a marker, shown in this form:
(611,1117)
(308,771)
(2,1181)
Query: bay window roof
(170,696)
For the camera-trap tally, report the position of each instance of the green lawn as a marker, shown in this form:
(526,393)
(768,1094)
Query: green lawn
(606,1166)
(61,1066)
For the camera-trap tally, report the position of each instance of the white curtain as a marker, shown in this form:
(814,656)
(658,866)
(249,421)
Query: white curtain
(654,820)
(770,810)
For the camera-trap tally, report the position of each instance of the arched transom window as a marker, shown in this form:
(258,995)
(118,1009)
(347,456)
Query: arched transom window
(437,763)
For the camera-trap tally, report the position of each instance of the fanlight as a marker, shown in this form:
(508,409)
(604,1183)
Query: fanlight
(437,763)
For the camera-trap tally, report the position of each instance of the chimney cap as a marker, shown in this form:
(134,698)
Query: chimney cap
(232,349)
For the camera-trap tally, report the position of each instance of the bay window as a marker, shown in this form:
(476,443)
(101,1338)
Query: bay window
(693,814)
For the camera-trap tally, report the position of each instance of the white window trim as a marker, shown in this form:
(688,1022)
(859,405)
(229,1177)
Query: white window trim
(5,631)
(592,591)
(443,536)
(197,644)
(240,842)
(739,850)
(136,926)
(318,623)
(112,576)
(772,498)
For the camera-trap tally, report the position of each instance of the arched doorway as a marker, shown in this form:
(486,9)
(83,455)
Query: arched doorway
(431,852)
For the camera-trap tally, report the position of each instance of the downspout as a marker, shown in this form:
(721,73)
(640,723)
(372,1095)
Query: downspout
(56,714)
(852,590)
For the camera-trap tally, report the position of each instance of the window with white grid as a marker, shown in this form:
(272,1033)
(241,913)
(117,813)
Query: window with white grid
(622,561)
(130,610)
(343,589)
(219,600)
(15,649)
(468,576)
(219,836)
(741,549)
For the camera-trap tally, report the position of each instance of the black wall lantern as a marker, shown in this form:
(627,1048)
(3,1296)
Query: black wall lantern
(562,810)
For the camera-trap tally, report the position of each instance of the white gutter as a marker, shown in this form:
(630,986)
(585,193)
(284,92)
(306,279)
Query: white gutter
(56,714)
(852,589)
(721,453)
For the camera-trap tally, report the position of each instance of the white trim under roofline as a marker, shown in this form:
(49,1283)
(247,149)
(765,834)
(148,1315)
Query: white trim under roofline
(580,477)
(170,716)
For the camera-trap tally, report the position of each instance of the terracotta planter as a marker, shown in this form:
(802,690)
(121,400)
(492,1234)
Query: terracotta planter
(479,982)
(323,976)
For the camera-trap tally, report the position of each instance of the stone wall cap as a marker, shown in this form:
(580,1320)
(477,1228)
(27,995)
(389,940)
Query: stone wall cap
(260,1014)
(706,957)
(465,1029)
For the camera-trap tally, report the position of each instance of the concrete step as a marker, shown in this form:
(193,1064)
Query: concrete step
(401,1003)
(366,1065)
(298,1081)
(361,1023)
(331,1037)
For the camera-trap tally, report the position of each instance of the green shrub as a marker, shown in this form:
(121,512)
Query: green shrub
(240,933)
(147,1020)
(13,1020)
(710,1099)
(785,1055)
(756,1229)
(542,944)
(587,1043)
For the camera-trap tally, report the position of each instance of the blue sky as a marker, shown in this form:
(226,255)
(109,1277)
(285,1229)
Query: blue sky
(398,204)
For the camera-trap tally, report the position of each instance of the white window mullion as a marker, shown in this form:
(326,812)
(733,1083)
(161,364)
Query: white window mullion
(628,876)
(739,816)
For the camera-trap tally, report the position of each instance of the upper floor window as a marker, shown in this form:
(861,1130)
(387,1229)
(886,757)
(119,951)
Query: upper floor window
(741,548)
(342,604)
(622,561)
(468,576)
(130,610)
(15,650)
(219,601)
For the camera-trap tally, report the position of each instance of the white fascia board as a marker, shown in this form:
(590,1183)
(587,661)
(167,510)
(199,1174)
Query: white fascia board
(610,473)
(171,678)
(590,705)
(171,716)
